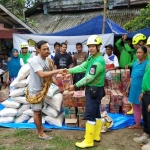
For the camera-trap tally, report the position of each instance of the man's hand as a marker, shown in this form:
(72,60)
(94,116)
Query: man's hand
(9,59)
(71,88)
(148,108)
(63,71)
(140,97)
(126,67)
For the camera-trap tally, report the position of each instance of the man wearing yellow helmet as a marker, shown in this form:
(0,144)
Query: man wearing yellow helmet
(25,55)
(126,51)
(148,48)
(137,41)
(94,68)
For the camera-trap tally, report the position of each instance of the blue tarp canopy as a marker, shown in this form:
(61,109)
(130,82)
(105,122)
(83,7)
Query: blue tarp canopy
(145,31)
(93,26)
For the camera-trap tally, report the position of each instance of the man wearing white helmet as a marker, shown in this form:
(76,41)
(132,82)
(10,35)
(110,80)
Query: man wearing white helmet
(25,55)
(94,68)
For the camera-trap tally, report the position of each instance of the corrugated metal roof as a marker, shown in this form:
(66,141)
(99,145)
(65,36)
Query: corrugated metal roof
(55,22)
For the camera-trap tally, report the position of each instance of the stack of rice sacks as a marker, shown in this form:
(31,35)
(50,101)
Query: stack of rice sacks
(18,110)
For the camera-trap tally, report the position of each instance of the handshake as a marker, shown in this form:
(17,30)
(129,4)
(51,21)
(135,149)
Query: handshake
(64,72)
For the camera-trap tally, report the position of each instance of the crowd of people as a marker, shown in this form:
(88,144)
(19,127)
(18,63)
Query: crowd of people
(91,71)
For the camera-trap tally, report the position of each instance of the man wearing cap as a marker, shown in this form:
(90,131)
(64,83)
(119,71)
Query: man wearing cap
(125,50)
(94,67)
(25,55)
(111,63)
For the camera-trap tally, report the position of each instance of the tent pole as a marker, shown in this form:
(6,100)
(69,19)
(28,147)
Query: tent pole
(104,16)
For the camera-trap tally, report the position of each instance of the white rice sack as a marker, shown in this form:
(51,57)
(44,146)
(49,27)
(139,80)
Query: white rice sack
(54,89)
(11,104)
(28,112)
(55,121)
(31,120)
(17,92)
(20,99)
(49,111)
(8,112)
(21,119)
(7,119)
(28,79)
(23,72)
(19,84)
(23,108)
(55,102)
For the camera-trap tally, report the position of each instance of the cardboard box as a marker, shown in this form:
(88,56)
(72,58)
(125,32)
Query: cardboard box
(66,110)
(114,97)
(116,85)
(71,122)
(120,97)
(125,75)
(107,90)
(118,76)
(81,122)
(72,113)
(104,106)
(113,75)
(114,108)
(79,98)
(126,105)
(81,110)
(64,81)
(68,99)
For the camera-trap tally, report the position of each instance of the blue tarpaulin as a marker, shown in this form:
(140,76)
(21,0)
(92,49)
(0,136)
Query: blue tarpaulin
(145,31)
(120,122)
(93,26)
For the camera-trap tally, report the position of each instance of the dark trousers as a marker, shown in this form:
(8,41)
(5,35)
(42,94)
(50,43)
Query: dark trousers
(92,106)
(145,113)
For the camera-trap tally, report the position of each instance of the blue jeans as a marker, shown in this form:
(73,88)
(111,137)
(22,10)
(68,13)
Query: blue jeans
(92,106)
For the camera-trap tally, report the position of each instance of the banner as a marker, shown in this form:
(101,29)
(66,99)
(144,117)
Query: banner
(71,40)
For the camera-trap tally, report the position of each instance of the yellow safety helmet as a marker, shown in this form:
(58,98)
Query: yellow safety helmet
(24,44)
(94,39)
(138,37)
(148,41)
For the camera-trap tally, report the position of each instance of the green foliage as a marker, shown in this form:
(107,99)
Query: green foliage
(18,8)
(140,22)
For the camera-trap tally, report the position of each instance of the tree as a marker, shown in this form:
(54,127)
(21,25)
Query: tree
(18,8)
(140,22)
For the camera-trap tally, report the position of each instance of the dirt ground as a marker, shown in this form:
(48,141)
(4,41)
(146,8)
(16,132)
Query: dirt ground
(14,139)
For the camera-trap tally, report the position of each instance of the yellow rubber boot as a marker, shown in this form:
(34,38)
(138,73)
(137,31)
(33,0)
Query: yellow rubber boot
(98,127)
(89,137)
(130,112)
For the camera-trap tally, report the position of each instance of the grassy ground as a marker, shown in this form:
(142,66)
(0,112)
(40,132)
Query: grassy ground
(14,139)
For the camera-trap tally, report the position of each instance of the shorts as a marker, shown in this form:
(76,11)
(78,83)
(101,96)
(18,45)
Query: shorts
(5,76)
(38,106)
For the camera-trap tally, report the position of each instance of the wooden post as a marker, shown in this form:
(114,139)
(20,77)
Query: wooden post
(128,3)
(104,16)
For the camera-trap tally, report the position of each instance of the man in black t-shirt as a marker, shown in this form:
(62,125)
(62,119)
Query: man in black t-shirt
(63,59)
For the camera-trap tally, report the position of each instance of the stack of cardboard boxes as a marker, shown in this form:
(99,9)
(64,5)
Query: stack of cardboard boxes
(74,116)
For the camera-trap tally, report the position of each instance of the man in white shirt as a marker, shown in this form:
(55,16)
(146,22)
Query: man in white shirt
(111,62)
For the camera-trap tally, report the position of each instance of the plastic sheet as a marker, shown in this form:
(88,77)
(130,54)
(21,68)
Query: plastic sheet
(120,122)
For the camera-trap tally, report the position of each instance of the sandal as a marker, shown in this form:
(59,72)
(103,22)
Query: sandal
(45,138)
(47,130)
(135,127)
